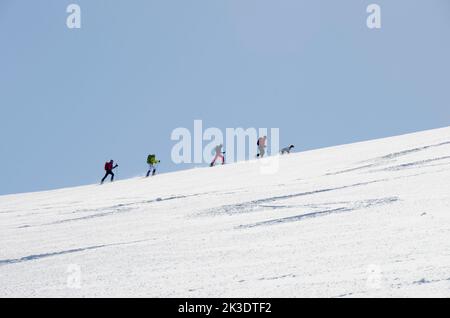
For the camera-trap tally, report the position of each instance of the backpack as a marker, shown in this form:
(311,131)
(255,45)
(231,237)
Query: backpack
(151,159)
(108,166)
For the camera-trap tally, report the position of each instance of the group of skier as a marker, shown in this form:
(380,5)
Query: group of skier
(219,154)
(261,143)
(151,161)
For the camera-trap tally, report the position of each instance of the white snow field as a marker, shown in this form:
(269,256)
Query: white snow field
(369,219)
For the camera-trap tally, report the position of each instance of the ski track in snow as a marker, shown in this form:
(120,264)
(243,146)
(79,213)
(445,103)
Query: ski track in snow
(255,205)
(410,151)
(310,230)
(383,160)
(421,163)
(118,208)
(52,254)
(295,218)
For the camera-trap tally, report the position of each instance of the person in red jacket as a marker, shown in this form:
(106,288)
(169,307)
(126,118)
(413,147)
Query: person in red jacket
(261,143)
(109,167)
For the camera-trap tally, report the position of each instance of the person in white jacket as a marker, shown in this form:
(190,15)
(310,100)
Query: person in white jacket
(219,154)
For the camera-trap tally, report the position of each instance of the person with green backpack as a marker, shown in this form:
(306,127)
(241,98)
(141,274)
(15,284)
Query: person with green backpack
(152,162)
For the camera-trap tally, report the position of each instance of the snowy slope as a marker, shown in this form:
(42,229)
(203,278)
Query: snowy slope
(358,220)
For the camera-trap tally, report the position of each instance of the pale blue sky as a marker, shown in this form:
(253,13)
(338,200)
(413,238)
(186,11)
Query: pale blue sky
(116,88)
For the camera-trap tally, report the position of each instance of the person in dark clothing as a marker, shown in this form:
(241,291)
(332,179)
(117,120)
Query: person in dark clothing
(109,167)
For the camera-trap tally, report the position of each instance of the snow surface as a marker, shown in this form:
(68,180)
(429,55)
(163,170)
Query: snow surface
(359,220)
